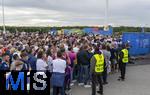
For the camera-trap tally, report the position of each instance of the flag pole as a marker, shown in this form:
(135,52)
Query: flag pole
(3,13)
(106,12)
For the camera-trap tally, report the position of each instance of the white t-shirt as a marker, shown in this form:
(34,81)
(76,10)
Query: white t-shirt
(59,65)
(41,65)
(76,49)
(66,47)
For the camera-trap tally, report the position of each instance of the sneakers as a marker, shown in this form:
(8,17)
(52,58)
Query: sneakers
(97,87)
(105,83)
(74,81)
(68,91)
(81,84)
(120,79)
(72,84)
(87,86)
(100,92)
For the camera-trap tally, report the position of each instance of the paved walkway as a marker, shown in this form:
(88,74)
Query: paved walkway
(137,83)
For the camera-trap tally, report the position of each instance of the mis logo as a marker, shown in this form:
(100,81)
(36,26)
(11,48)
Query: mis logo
(17,82)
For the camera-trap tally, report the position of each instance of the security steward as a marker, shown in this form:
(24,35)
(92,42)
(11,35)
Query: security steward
(97,68)
(123,60)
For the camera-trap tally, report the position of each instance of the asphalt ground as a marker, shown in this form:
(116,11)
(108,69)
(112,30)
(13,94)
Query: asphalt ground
(137,82)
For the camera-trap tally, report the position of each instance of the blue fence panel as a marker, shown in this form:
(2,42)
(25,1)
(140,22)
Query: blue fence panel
(148,36)
(140,42)
(133,38)
(144,43)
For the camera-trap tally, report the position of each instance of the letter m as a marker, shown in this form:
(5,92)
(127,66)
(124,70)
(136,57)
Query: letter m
(15,85)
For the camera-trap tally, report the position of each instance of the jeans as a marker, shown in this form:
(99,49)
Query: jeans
(84,74)
(105,75)
(75,72)
(97,79)
(56,90)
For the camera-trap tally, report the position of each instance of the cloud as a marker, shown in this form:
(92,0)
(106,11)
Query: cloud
(75,12)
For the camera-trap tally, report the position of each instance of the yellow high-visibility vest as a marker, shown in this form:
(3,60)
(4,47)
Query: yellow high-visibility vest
(99,66)
(125,58)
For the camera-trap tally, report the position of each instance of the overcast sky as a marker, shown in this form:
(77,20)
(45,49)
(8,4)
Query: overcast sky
(75,12)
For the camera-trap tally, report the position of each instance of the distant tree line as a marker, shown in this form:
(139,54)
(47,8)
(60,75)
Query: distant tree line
(47,29)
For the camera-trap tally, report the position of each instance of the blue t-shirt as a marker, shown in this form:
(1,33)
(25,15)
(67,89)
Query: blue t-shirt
(32,61)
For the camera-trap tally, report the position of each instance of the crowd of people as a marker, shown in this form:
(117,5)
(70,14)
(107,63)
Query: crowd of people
(71,57)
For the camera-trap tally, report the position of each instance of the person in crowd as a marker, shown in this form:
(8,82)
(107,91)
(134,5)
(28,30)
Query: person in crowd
(18,65)
(118,56)
(41,64)
(65,55)
(76,47)
(97,69)
(15,59)
(0,60)
(5,65)
(124,59)
(128,45)
(68,70)
(32,59)
(113,58)
(90,54)
(12,51)
(72,56)
(24,59)
(49,61)
(107,55)
(58,76)
(83,60)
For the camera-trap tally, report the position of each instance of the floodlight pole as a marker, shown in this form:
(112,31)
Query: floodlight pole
(106,12)
(3,13)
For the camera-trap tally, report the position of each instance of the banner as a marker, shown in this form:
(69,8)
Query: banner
(107,31)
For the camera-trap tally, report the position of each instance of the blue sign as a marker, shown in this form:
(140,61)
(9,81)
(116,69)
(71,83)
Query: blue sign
(100,32)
